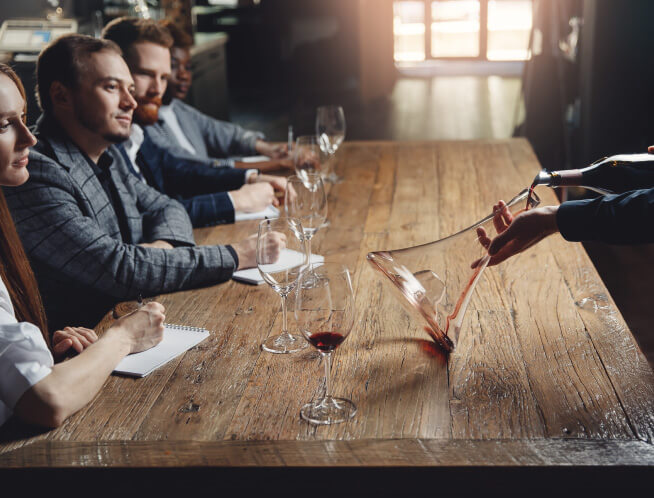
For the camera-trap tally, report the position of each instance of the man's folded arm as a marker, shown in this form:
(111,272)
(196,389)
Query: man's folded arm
(190,176)
(57,234)
(223,138)
(209,209)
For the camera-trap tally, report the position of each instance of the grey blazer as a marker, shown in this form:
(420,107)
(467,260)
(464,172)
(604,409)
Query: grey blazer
(71,235)
(210,137)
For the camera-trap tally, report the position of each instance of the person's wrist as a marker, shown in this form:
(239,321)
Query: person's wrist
(119,334)
(252,175)
(551,225)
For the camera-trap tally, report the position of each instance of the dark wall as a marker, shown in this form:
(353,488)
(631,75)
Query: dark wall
(617,74)
(296,46)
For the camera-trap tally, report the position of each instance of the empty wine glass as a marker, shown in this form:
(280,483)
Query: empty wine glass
(280,256)
(306,200)
(325,315)
(308,157)
(330,130)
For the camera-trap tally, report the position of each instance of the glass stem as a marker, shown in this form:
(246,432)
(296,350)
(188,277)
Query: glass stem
(327,359)
(284,321)
(308,244)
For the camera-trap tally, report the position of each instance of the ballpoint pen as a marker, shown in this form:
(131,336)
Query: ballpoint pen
(290,138)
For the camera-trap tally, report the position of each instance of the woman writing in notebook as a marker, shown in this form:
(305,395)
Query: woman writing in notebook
(31,385)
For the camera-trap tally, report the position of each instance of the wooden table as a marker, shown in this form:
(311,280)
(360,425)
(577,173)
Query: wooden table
(546,377)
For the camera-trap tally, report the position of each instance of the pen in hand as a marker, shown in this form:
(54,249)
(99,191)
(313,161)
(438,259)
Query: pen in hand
(139,304)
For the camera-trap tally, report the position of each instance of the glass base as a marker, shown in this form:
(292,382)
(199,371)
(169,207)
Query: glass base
(328,411)
(284,343)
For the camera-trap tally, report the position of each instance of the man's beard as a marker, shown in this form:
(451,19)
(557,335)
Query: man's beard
(147,112)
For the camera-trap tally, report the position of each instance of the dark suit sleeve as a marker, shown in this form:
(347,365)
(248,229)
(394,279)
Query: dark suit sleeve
(616,219)
(62,237)
(187,177)
(209,209)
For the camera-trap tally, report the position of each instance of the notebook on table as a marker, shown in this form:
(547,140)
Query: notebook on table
(176,340)
(287,258)
(270,212)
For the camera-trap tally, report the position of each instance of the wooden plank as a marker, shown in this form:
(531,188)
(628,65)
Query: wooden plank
(410,452)
(621,358)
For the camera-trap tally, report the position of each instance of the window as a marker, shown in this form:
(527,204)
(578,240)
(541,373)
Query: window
(495,30)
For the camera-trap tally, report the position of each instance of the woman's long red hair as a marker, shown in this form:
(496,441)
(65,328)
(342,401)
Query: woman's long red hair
(15,269)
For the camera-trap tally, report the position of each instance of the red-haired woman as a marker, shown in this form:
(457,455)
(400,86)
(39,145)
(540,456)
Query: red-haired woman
(31,385)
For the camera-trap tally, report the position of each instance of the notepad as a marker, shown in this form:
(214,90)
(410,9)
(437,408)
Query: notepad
(254,159)
(176,340)
(270,212)
(287,259)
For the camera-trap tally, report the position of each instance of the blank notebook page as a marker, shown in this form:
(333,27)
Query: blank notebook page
(177,339)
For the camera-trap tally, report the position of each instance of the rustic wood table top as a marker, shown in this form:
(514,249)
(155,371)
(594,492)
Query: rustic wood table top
(546,371)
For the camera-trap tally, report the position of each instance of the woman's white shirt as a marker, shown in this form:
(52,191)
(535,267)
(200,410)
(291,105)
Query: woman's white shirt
(24,356)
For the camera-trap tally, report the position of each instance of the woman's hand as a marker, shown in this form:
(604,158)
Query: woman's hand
(141,329)
(77,338)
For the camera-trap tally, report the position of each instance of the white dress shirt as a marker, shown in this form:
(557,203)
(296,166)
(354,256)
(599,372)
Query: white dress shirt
(132,146)
(167,115)
(24,356)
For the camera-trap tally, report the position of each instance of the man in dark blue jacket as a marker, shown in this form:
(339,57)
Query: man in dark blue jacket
(210,190)
(624,218)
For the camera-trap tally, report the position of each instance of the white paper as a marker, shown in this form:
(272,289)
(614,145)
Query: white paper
(270,212)
(254,159)
(176,341)
(287,259)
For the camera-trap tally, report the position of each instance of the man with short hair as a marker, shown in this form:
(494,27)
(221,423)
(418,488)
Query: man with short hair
(94,233)
(199,184)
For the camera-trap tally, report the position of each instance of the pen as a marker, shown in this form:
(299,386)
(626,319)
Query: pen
(290,138)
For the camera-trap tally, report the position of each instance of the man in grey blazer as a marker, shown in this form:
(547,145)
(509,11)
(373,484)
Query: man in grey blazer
(187,129)
(94,233)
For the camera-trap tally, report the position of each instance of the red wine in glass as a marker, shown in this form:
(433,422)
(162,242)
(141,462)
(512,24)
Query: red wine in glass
(326,341)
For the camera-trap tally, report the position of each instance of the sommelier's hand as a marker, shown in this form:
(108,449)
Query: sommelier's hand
(516,234)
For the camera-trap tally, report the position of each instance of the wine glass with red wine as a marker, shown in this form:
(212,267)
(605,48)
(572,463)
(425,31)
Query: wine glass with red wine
(325,315)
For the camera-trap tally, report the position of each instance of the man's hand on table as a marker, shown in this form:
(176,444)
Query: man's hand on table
(158,244)
(516,234)
(273,151)
(246,250)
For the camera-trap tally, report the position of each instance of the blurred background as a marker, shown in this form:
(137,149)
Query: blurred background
(572,76)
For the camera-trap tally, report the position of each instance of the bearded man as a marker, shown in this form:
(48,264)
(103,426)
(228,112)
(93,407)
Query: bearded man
(210,191)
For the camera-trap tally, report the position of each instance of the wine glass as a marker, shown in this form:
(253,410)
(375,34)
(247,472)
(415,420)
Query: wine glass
(306,200)
(280,256)
(308,157)
(325,315)
(330,130)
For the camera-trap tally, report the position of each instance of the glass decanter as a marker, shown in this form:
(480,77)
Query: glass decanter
(436,280)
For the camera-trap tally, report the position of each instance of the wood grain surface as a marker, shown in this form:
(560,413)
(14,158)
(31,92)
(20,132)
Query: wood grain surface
(545,372)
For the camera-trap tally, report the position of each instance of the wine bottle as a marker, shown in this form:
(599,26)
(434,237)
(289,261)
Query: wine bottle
(609,175)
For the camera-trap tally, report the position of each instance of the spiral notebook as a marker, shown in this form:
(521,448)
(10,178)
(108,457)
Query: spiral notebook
(176,340)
